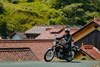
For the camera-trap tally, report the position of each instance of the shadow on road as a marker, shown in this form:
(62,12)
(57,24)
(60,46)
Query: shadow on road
(68,62)
(76,62)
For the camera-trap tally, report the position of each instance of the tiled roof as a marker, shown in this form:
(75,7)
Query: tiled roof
(41,29)
(37,29)
(38,47)
(91,51)
(17,54)
(0,38)
(96,20)
(21,34)
(98,23)
(55,30)
(49,35)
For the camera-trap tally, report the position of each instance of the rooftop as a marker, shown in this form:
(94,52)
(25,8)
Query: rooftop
(37,29)
(91,51)
(50,34)
(41,29)
(0,38)
(21,34)
(17,54)
(94,21)
(38,47)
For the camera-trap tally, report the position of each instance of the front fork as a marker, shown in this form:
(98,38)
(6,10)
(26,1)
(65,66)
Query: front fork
(53,49)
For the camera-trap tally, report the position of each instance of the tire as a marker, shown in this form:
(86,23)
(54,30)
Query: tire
(70,57)
(49,55)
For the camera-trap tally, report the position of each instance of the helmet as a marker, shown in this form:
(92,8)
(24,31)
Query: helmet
(67,30)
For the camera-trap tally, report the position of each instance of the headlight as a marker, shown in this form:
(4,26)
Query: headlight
(54,43)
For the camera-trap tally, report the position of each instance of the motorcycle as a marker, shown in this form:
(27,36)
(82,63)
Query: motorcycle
(57,50)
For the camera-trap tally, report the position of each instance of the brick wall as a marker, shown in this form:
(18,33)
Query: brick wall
(39,47)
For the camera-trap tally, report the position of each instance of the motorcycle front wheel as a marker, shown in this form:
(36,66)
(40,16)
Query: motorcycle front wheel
(70,56)
(49,55)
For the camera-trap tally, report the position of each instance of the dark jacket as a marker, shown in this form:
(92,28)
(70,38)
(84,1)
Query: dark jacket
(67,38)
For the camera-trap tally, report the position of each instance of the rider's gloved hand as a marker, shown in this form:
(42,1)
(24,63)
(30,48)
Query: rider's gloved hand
(55,38)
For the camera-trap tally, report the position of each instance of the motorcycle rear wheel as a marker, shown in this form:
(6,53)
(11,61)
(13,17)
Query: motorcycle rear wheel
(49,55)
(70,56)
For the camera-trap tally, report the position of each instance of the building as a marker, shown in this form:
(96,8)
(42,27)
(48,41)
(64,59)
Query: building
(38,47)
(0,38)
(39,32)
(58,31)
(36,31)
(17,36)
(88,52)
(17,54)
(89,34)
(55,32)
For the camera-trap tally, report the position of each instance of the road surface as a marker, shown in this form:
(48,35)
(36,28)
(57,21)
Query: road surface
(51,64)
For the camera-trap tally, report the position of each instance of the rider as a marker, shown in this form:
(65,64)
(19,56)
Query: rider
(68,39)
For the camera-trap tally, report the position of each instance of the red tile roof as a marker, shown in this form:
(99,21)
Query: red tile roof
(38,47)
(56,30)
(41,29)
(96,20)
(0,38)
(51,33)
(91,51)
(17,54)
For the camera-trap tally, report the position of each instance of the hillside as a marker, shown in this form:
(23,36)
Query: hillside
(21,15)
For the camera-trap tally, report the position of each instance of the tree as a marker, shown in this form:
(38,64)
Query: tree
(30,0)
(4,30)
(72,11)
(10,1)
(1,8)
(26,14)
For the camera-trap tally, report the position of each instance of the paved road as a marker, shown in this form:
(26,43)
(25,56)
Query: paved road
(50,64)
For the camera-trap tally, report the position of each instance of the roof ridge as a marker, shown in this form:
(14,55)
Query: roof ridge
(96,19)
(96,50)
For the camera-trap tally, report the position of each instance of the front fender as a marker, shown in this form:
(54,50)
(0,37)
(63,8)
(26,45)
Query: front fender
(49,48)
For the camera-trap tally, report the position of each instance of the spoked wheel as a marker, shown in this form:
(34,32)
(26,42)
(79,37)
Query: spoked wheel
(49,55)
(70,57)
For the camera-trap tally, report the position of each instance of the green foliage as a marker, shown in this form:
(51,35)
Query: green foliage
(4,30)
(1,8)
(21,15)
(30,0)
